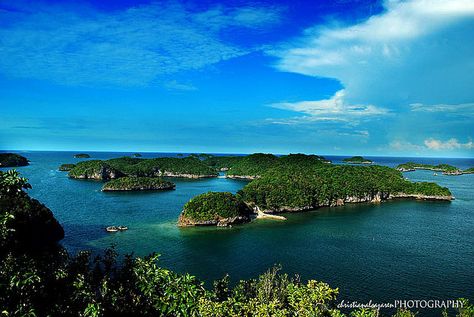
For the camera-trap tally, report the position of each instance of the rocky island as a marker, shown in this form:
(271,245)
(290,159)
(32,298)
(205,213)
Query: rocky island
(214,209)
(137,184)
(187,167)
(299,182)
(357,160)
(82,155)
(446,169)
(12,160)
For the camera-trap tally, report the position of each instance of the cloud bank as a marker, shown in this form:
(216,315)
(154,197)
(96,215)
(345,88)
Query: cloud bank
(82,46)
(417,51)
(332,109)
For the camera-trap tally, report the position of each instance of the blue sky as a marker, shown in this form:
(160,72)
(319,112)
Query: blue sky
(326,77)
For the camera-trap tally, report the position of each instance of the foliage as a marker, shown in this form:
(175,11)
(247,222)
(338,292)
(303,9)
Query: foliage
(214,205)
(356,160)
(302,187)
(256,164)
(12,160)
(66,167)
(137,183)
(222,162)
(253,165)
(25,222)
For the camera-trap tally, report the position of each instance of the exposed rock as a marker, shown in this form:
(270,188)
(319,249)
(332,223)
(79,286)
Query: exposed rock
(247,177)
(183,221)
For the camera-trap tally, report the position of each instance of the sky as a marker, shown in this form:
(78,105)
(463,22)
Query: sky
(344,77)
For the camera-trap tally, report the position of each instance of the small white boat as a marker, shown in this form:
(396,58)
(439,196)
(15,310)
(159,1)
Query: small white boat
(111,229)
(122,228)
(435,174)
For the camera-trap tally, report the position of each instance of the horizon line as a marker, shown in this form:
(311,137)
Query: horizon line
(237,153)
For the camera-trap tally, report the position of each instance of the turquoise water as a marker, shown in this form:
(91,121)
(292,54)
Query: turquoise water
(395,250)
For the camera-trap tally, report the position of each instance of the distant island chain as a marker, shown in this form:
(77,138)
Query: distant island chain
(277,184)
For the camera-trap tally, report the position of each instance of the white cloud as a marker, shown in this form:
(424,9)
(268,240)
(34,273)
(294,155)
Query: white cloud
(415,51)
(451,144)
(332,109)
(464,109)
(431,144)
(130,47)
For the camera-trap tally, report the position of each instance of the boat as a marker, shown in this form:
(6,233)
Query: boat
(111,229)
(435,174)
(122,228)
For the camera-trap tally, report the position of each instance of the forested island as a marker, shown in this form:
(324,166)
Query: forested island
(137,184)
(12,160)
(82,155)
(446,169)
(299,182)
(38,277)
(357,160)
(214,208)
(187,167)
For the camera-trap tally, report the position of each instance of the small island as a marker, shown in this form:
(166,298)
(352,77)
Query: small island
(137,184)
(82,155)
(12,160)
(357,160)
(220,209)
(136,155)
(446,169)
(66,167)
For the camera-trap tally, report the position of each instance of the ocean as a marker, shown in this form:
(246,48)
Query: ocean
(381,252)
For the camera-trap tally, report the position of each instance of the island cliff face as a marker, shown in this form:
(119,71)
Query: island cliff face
(95,170)
(137,184)
(12,160)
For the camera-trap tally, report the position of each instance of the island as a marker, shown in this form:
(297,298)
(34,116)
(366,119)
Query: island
(446,169)
(12,160)
(137,184)
(251,166)
(299,182)
(357,160)
(136,155)
(66,167)
(82,155)
(94,170)
(186,167)
(220,209)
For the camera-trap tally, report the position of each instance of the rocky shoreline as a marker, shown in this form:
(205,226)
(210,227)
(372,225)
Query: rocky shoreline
(184,221)
(377,198)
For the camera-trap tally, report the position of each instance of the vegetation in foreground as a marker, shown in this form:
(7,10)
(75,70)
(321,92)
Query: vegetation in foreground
(137,184)
(357,160)
(39,278)
(12,160)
